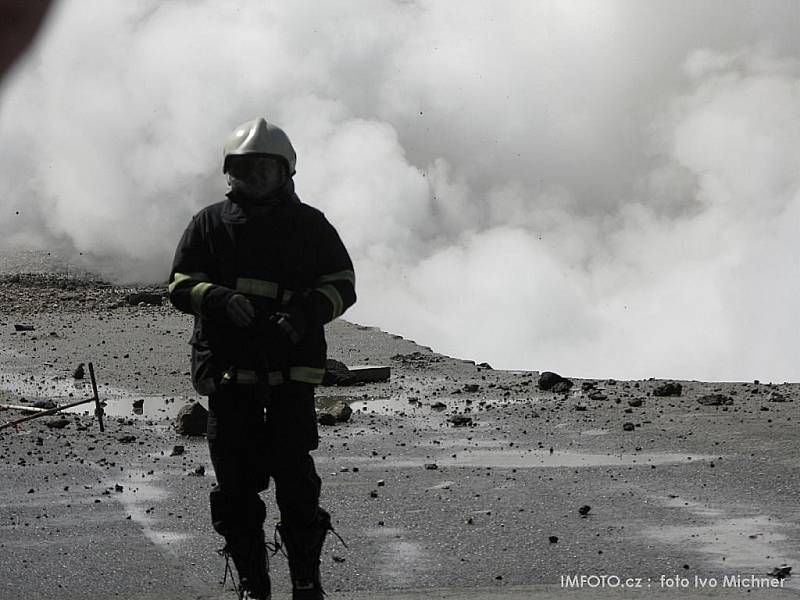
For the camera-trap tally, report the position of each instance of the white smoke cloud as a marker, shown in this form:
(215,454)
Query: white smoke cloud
(603,189)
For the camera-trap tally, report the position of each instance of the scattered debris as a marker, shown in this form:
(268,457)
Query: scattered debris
(192,419)
(668,389)
(145,298)
(715,400)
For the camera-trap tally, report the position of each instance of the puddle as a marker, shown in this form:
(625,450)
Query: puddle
(543,458)
(516,459)
(140,498)
(753,544)
(119,402)
(398,561)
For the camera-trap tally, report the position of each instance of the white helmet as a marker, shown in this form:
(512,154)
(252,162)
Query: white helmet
(260,137)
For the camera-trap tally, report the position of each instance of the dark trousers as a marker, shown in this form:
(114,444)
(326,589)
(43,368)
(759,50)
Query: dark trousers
(253,438)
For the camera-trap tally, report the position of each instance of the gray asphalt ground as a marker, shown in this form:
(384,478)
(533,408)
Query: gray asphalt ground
(693,493)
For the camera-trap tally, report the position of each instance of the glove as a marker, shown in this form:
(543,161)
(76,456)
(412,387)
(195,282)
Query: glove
(239,310)
(290,325)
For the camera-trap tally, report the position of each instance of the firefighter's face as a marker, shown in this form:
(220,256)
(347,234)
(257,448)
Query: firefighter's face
(255,176)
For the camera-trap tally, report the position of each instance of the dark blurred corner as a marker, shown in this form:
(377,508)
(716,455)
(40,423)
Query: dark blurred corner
(20,21)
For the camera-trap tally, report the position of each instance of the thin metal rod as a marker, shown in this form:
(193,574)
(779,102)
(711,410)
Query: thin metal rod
(50,411)
(98,408)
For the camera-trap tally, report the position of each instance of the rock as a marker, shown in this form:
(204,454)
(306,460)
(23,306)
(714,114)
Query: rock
(588,385)
(326,418)
(628,427)
(79,372)
(126,439)
(471,387)
(192,419)
(781,572)
(118,488)
(548,379)
(553,539)
(24,327)
(177,450)
(368,374)
(431,466)
(776,397)
(715,400)
(138,404)
(635,402)
(580,407)
(58,423)
(668,389)
(562,387)
(485,365)
(597,395)
(199,471)
(339,412)
(149,298)
(45,404)
(336,373)
(460,420)
(584,510)
(438,406)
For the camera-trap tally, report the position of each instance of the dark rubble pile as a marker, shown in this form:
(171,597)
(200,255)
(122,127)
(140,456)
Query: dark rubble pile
(39,292)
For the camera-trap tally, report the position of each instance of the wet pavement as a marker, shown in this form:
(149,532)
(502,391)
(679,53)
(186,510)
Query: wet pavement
(428,509)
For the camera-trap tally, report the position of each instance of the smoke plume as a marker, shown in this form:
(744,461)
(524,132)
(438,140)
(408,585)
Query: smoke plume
(599,188)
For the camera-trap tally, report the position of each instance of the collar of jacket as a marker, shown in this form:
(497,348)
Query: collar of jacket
(240,210)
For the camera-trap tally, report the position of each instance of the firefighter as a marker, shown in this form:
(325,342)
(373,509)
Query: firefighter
(262,273)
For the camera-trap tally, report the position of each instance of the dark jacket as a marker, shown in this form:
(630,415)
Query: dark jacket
(285,257)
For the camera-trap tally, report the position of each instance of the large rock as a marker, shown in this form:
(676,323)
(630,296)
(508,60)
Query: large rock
(715,400)
(336,373)
(548,380)
(668,389)
(192,419)
(338,412)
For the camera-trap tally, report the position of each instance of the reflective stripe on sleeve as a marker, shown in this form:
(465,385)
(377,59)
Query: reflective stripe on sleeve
(332,294)
(257,287)
(196,296)
(306,374)
(185,278)
(346,275)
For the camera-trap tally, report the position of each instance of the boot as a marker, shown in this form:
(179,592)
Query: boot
(303,550)
(252,565)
